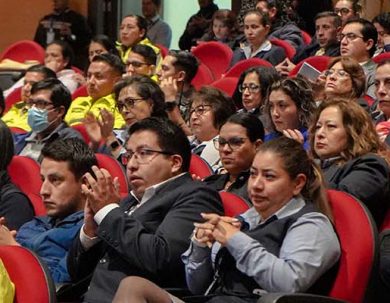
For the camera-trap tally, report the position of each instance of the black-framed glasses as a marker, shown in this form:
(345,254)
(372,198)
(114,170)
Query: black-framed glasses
(338,72)
(200,110)
(234,143)
(350,36)
(136,64)
(253,88)
(128,103)
(39,103)
(142,155)
(342,11)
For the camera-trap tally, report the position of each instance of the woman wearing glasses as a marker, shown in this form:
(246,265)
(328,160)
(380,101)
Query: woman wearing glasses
(138,97)
(209,110)
(289,108)
(237,143)
(347,9)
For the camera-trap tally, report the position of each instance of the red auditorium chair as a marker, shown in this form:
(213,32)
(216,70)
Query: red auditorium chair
(215,55)
(357,266)
(77,70)
(30,275)
(306,37)
(12,98)
(226,84)
(24,50)
(199,167)
(164,51)
(288,48)
(319,62)
(25,173)
(237,69)
(116,170)
(381,57)
(81,129)
(80,92)
(203,77)
(233,204)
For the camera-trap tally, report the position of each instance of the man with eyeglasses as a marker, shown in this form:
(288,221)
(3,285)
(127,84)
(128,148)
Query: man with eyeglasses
(358,40)
(145,233)
(141,61)
(49,102)
(347,9)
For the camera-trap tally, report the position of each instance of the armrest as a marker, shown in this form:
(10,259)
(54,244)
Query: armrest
(296,298)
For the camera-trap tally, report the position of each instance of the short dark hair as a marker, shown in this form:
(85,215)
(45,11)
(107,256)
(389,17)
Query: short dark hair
(60,94)
(336,18)
(147,89)
(6,146)
(2,103)
(252,124)
(263,16)
(222,105)
(185,61)
(146,52)
(66,50)
(112,60)
(106,42)
(171,137)
(141,23)
(43,70)
(384,21)
(368,32)
(157,2)
(75,152)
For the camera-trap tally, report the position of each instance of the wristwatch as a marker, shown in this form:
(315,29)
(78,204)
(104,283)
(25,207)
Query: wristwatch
(114,145)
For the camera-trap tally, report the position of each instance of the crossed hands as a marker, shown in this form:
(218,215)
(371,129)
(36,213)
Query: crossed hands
(216,228)
(7,237)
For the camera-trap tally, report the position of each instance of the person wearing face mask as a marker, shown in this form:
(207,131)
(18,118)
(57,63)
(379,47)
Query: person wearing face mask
(49,102)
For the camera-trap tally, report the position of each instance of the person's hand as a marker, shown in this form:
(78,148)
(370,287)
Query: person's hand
(79,78)
(294,134)
(106,123)
(54,64)
(225,229)
(7,237)
(90,226)
(285,67)
(204,231)
(101,191)
(169,88)
(196,177)
(92,128)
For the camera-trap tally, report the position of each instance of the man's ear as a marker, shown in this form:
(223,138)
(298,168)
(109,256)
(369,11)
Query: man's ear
(272,12)
(61,111)
(181,76)
(370,44)
(152,70)
(177,163)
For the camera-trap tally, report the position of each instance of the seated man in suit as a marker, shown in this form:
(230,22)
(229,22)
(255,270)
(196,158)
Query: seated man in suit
(62,169)
(48,104)
(147,232)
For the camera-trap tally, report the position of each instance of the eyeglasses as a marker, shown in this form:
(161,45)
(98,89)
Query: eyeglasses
(200,110)
(350,37)
(234,143)
(142,155)
(39,103)
(136,64)
(253,88)
(342,11)
(129,103)
(339,72)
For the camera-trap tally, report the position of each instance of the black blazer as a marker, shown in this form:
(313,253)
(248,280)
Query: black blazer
(147,243)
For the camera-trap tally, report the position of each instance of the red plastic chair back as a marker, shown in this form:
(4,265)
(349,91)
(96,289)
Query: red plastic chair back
(381,57)
(203,76)
(12,98)
(319,62)
(81,129)
(306,37)
(199,167)
(288,48)
(25,173)
(233,204)
(24,50)
(80,92)
(215,55)
(226,84)
(32,279)
(358,239)
(237,69)
(116,170)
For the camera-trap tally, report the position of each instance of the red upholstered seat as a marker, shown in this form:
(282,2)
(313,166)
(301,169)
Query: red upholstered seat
(199,167)
(381,57)
(215,55)
(81,129)
(164,51)
(288,48)
(241,66)
(25,173)
(24,50)
(32,279)
(306,37)
(80,92)
(233,204)
(203,77)
(226,84)
(319,62)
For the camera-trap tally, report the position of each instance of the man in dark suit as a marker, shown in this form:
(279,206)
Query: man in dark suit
(147,232)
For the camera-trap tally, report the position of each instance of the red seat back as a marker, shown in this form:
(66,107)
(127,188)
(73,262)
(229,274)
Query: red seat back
(381,57)
(237,69)
(358,239)
(14,97)
(163,50)
(319,62)
(116,170)
(288,48)
(25,173)
(24,50)
(306,37)
(81,129)
(203,76)
(215,55)
(80,92)
(233,204)
(226,84)
(32,280)
(199,167)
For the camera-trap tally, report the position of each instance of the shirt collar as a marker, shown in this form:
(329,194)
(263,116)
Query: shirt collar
(266,46)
